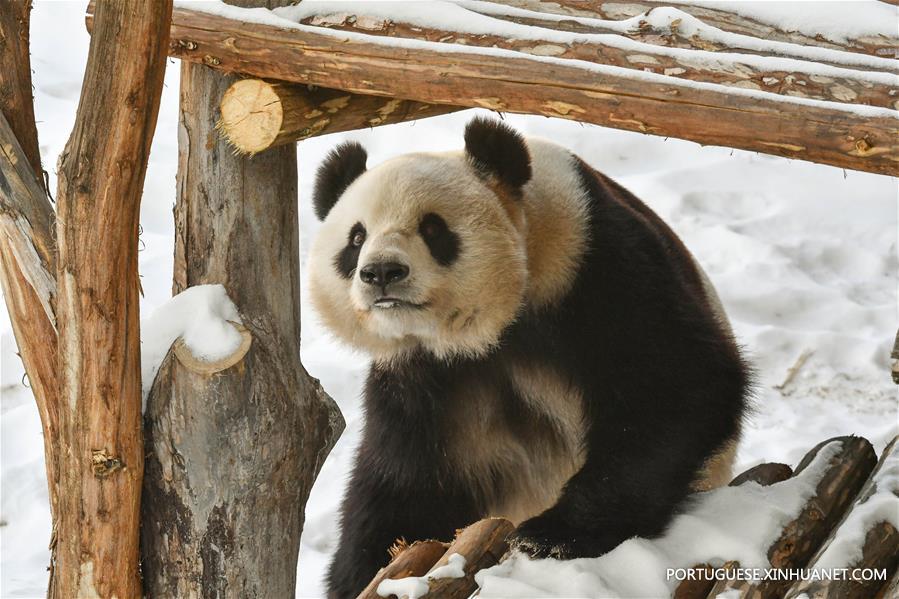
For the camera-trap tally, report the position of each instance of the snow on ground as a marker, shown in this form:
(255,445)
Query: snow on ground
(804,257)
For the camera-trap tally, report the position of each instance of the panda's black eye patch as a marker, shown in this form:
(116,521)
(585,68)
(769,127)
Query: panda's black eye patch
(346,260)
(442,243)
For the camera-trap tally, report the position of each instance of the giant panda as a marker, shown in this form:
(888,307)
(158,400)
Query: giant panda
(543,348)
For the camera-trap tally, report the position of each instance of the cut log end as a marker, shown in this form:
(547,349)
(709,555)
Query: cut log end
(199,366)
(252,116)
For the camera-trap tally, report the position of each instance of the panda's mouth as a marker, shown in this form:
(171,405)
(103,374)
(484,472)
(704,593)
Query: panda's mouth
(388,303)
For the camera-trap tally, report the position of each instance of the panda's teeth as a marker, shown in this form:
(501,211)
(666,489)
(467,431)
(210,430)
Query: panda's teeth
(386,303)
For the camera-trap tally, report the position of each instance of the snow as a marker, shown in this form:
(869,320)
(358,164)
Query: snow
(201,317)
(804,257)
(450,16)
(259,16)
(882,506)
(709,533)
(417,586)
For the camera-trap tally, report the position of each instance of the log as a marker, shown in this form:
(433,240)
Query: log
(232,455)
(716,17)
(787,76)
(675,28)
(894,356)
(699,586)
(764,474)
(482,544)
(258,115)
(414,560)
(101,176)
(879,549)
(800,539)
(849,136)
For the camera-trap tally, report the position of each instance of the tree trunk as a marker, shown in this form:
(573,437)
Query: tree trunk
(101,175)
(232,455)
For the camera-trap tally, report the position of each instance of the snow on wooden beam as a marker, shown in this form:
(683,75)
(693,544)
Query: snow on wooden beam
(258,115)
(876,45)
(504,79)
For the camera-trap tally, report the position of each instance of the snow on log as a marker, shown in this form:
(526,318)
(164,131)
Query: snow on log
(867,537)
(478,546)
(409,560)
(257,114)
(264,44)
(884,44)
(699,585)
(846,473)
(788,76)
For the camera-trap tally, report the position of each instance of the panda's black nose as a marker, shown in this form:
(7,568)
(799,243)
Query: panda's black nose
(382,274)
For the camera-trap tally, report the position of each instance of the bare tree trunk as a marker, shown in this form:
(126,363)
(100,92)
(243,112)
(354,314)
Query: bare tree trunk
(101,178)
(232,455)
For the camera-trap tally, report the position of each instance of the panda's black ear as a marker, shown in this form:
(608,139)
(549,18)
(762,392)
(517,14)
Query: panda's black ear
(341,166)
(496,150)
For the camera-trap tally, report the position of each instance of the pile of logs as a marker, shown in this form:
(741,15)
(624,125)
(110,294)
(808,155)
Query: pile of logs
(849,480)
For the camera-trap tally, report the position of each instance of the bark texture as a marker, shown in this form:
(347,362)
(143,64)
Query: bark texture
(258,115)
(832,133)
(879,551)
(482,544)
(415,560)
(101,175)
(231,455)
(801,538)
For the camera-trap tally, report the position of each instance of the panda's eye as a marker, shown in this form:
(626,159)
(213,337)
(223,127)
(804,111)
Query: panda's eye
(357,236)
(432,226)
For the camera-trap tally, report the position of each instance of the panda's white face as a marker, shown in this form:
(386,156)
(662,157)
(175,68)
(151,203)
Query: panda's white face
(420,252)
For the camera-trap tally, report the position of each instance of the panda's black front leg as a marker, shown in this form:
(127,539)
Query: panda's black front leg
(632,482)
(388,500)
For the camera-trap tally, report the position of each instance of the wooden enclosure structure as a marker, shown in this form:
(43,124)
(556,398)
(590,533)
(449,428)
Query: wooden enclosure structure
(266,80)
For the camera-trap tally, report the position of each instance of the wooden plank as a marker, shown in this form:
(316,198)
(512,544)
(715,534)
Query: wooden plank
(825,132)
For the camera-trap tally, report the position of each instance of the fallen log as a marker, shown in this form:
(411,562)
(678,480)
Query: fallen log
(483,545)
(846,473)
(698,585)
(850,136)
(878,549)
(717,17)
(258,114)
(787,76)
(413,560)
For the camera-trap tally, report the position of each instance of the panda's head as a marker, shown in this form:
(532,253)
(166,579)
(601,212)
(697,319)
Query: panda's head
(425,251)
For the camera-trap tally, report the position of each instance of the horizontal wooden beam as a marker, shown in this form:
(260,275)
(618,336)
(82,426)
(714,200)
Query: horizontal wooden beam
(850,136)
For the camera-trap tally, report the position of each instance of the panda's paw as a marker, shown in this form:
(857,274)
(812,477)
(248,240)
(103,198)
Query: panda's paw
(540,538)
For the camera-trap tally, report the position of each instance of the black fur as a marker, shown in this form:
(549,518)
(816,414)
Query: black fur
(663,383)
(442,243)
(497,150)
(341,166)
(346,260)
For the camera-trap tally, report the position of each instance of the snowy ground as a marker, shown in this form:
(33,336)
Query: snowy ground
(804,257)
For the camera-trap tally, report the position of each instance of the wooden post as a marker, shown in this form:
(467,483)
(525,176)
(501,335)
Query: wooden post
(101,175)
(232,455)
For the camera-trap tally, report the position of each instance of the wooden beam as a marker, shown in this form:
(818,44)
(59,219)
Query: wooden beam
(258,115)
(854,137)
(101,177)
(790,76)
(717,17)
